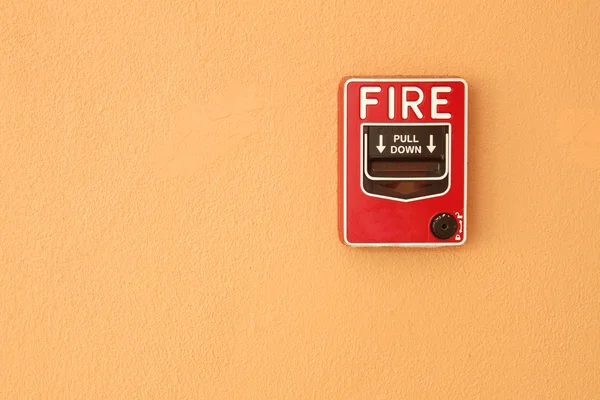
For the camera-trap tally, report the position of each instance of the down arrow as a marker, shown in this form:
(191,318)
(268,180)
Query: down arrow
(381,147)
(431,147)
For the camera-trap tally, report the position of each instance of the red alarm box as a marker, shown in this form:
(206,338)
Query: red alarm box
(403,161)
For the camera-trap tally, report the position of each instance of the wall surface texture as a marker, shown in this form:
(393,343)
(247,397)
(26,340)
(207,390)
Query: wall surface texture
(168,205)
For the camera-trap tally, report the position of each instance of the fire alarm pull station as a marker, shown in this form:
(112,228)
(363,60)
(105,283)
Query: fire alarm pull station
(403,159)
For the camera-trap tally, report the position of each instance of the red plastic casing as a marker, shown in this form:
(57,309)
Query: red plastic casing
(366,220)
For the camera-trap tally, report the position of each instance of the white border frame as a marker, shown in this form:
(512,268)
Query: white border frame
(466,126)
(446,174)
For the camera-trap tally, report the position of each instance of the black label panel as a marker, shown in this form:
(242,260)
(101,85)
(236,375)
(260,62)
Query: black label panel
(406,142)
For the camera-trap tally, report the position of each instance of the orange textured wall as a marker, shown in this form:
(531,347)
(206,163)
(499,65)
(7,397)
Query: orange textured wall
(168,203)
